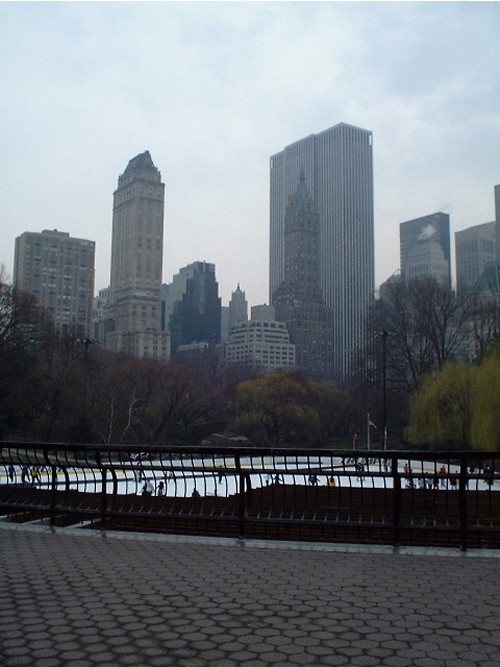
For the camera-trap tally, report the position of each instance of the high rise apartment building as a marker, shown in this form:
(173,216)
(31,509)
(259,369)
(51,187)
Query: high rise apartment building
(298,300)
(133,314)
(194,306)
(338,167)
(418,232)
(59,271)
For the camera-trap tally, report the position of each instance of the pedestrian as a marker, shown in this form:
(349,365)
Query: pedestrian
(11,472)
(488,475)
(443,472)
(35,475)
(160,490)
(147,489)
(25,474)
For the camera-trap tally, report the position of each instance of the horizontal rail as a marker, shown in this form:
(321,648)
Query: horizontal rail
(397,498)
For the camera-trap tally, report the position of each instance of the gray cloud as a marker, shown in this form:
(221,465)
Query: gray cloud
(213,89)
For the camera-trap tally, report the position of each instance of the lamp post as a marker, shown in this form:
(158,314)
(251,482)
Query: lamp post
(86,342)
(384,386)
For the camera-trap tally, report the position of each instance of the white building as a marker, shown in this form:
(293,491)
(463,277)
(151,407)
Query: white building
(260,343)
(338,167)
(426,258)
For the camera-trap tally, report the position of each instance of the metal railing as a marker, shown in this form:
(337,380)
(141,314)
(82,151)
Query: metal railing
(447,499)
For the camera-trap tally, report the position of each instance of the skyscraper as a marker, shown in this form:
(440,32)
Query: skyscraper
(412,233)
(133,314)
(59,271)
(426,258)
(338,168)
(298,300)
(475,248)
(238,307)
(194,306)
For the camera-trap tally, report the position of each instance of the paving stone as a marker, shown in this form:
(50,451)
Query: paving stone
(193,604)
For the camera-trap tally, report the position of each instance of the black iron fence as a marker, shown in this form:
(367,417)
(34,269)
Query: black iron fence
(447,499)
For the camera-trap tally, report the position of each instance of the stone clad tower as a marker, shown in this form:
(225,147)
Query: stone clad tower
(298,300)
(133,314)
(238,307)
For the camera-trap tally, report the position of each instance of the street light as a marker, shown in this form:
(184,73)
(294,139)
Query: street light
(384,335)
(384,386)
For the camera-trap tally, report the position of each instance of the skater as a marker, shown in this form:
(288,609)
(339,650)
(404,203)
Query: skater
(25,475)
(147,489)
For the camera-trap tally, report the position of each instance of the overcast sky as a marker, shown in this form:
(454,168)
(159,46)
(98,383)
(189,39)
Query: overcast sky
(212,90)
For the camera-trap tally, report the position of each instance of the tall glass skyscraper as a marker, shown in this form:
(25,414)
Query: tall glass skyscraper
(194,306)
(338,168)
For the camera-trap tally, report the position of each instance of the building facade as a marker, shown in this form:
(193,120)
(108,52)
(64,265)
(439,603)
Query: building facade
(298,300)
(426,258)
(132,322)
(475,248)
(413,233)
(59,271)
(338,168)
(260,344)
(477,253)
(238,307)
(194,306)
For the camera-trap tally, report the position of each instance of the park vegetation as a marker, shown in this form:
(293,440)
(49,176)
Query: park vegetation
(57,388)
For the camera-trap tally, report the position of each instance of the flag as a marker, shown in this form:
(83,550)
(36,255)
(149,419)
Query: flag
(370,423)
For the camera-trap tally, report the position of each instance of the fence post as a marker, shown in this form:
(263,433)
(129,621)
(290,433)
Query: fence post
(462,502)
(103,499)
(53,495)
(396,500)
(242,497)
(97,455)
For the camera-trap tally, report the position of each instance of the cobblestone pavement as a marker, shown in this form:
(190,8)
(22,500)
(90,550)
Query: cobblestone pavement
(73,599)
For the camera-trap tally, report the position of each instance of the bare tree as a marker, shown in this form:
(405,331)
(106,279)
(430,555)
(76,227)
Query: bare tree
(427,326)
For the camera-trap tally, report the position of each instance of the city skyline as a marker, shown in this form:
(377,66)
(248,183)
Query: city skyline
(221,87)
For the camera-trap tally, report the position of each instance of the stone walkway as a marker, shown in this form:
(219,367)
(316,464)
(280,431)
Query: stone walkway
(68,598)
